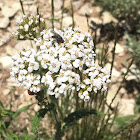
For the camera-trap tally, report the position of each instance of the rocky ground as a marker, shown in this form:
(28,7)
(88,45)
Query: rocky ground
(10,11)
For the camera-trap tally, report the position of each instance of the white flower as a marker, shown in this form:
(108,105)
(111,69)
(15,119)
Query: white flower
(86,99)
(47,79)
(54,65)
(60,67)
(26,27)
(78,64)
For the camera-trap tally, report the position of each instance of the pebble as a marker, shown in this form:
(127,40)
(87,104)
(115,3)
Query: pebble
(81,22)
(6,61)
(77,5)
(126,107)
(57,4)
(4,38)
(6,92)
(10,11)
(23,44)
(119,48)
(67,21)
(107,18)
(4,22)
(10,51)
(36,107)
(86,10)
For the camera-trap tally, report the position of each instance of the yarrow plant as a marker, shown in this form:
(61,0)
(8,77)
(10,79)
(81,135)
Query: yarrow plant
(60,71)
(28,27)
(60,67)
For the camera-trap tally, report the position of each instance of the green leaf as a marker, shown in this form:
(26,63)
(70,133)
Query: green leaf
(17,113)
(52,137)
(38,117)
(13,136)
(123,121)
(26,137)
(6,112)
(72,117)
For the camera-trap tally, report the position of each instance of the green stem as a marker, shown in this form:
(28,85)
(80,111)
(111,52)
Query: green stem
(39,19)
(52,4)
(58,126)
(62,14)
(22,7)
(73,23)
(114,48)
(122,82)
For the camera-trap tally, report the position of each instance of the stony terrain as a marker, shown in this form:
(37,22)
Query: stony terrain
(10,11)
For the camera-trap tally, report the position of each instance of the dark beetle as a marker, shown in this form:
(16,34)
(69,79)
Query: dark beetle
(57,37)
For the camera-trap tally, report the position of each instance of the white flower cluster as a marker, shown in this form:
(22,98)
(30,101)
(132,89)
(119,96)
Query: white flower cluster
(27,26)
(61,66)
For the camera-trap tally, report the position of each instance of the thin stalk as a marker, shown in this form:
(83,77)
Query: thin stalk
(73,23)
(58,126)
(77,107)
(128,127)
(124,78)
(87,17)
(52,8)
(22,7)
(114,48)
(61,24)
(39,18)
(58,134)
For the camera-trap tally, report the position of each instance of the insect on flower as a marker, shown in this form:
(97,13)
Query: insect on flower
(57,37)
(30,93)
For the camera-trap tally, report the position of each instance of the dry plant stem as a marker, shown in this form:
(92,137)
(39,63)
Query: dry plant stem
(73,23)
(114,48)
(128,127)
(52,8)
(39,18)
(61,25)
(87,17)
(22,7)
(124,78)
(58,126)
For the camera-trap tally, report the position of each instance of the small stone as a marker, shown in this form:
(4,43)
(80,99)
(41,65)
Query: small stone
(126,107)
(11,83)
(6,61)
(67,21)
(4,22)
(115,73)
(81,22)
(4,38)
(107,18)
(36,107)
(96,20)
(77,5)
(30,2)
(85,10)
(96,11)
(67,3)
(23,44)
(6,92)
(10,11)
(111,93)
(10,51)
(57,4)
(119,48)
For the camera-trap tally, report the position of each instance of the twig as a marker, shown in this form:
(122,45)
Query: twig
(73,23)
(52,4)
(22,7)
(61,24)
(122,82)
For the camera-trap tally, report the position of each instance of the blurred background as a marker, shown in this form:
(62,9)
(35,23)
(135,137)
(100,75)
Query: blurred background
(102,18)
